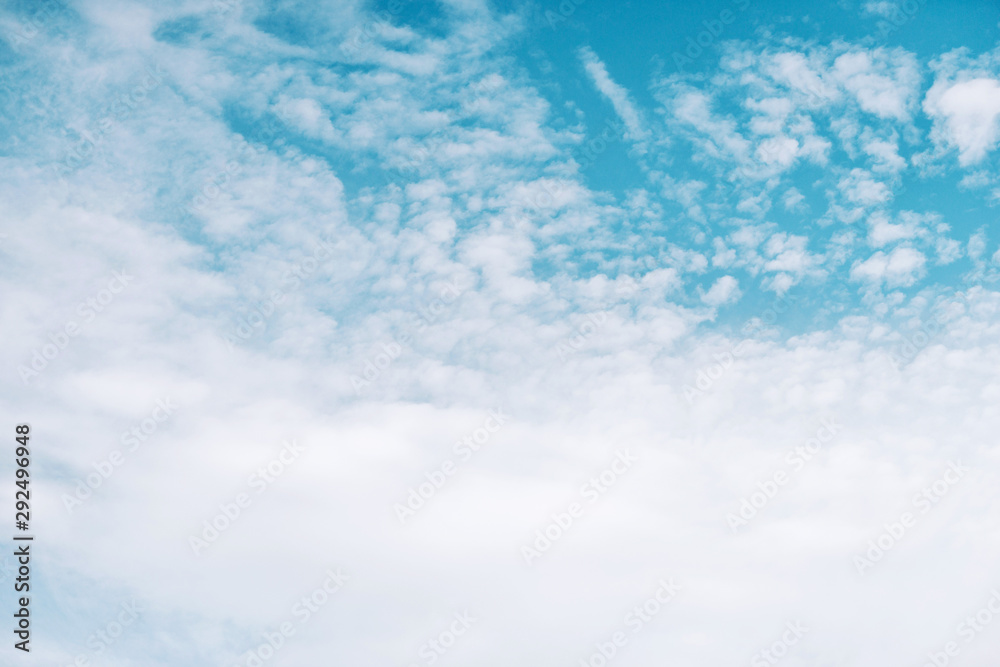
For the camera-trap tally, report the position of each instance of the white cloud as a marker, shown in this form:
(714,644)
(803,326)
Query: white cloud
(880,7)
(475,278)
(787,253)
(794,70)
(947,250)
(900,268)
(860,188)
(882,232)
(724,256)
(777,150)
(885,154)
(793,200)
(308,117)
(884,83)
(616,94)
(724,290)
(772,116)
(965,115)
(718,137)
(977,244)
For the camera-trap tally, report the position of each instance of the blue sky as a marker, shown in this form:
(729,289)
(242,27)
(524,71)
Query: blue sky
(412,275)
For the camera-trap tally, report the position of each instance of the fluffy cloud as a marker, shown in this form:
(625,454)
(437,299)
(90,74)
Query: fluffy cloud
(859,187)
(373,239)
(901,267)
(724,290)
(967,112)
(884,83)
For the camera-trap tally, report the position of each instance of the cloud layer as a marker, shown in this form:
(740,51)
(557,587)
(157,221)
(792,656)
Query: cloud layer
(387,363)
